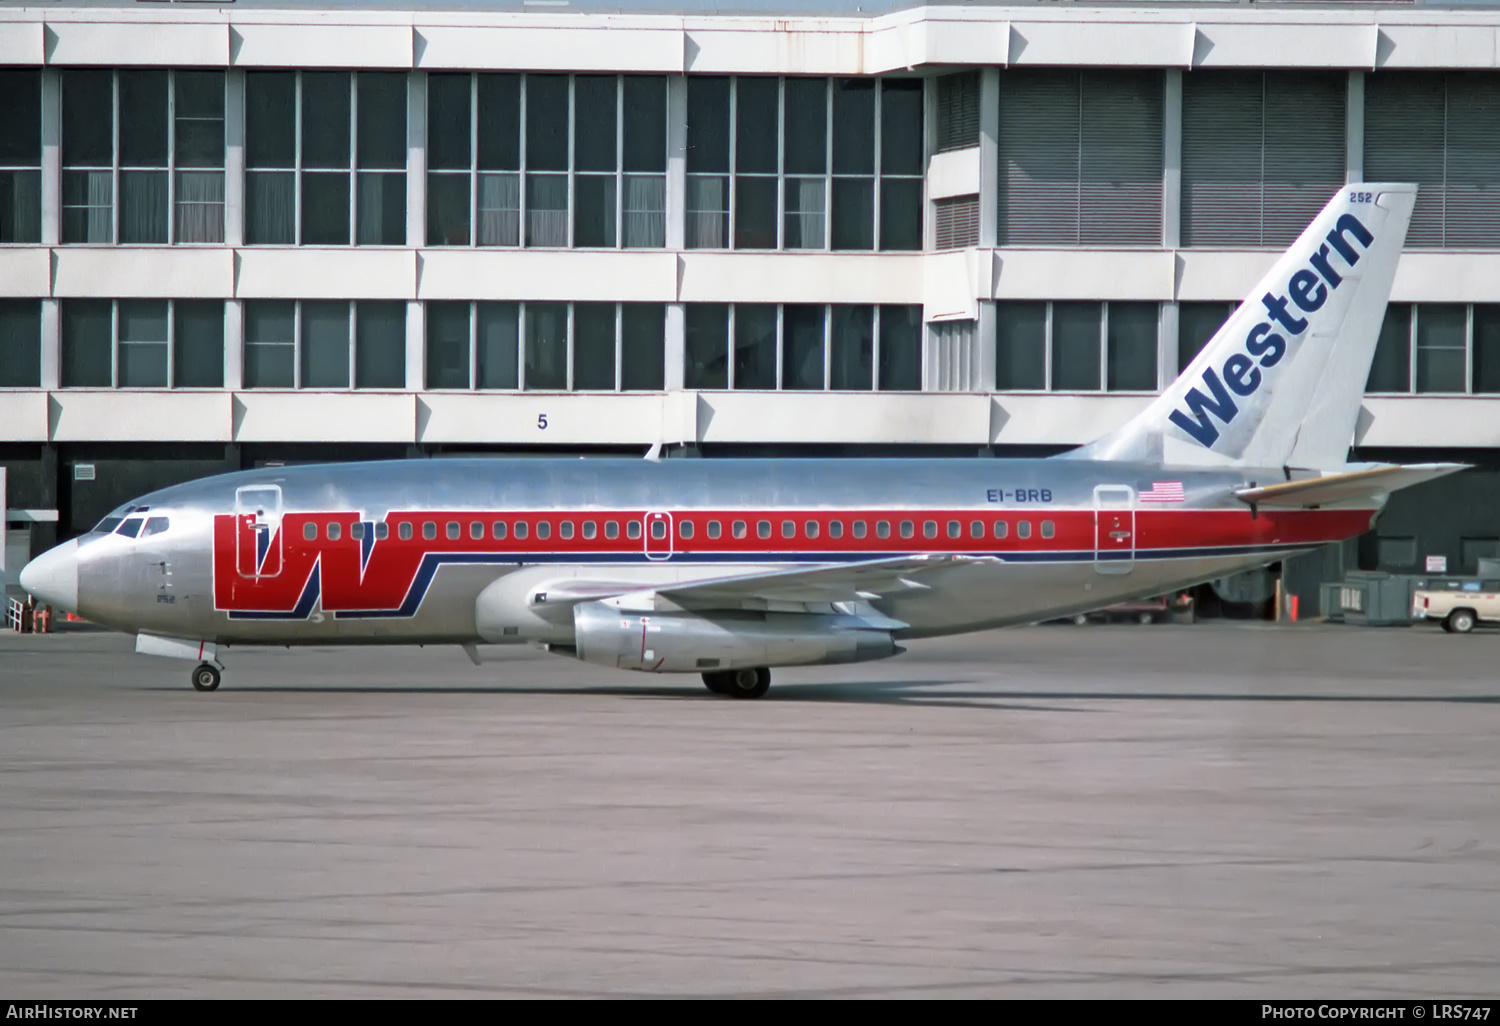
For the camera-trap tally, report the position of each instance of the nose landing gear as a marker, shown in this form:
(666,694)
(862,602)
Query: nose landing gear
(206,677)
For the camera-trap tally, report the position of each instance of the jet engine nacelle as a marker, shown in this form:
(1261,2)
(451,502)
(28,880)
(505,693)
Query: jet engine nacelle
(682,642)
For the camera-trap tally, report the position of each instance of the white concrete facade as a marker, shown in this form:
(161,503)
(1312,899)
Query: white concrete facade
(954,285)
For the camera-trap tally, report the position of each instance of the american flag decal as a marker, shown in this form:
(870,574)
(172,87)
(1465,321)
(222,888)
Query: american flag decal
(1164,491)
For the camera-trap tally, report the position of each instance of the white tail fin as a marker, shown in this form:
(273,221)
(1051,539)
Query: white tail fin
(1280,383)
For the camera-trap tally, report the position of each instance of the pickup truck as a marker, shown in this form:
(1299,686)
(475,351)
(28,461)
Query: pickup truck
(1458,610)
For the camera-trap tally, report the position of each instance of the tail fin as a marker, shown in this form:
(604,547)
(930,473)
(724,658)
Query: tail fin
(1280,384)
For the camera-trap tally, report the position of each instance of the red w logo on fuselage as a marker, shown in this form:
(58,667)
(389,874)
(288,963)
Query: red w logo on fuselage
(246,580)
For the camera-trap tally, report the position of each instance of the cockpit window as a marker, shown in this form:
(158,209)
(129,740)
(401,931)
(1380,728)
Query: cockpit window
(107,525)
(131,527)
(155,525)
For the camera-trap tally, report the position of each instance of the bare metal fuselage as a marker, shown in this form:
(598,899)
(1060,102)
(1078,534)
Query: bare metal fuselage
(401,552)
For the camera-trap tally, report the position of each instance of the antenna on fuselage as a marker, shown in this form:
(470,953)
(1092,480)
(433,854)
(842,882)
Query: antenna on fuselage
(654,453)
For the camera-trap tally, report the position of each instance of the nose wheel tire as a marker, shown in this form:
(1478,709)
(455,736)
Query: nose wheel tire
(206,677)
(746,683)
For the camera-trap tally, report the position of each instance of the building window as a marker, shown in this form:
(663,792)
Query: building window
(1196,325)
(325,158)
(1485,338)
(1396,553)
(20,343)
(1076,346)
(600,185)
(1021,347)
(1472,550)
(804,163)
(582,347)
(1437,348)
(1437,129)
(142,343)
(1261,154)
(20,156)
(958,111)
(1390,370)
(801,347)
(1081,158)
(380,344)
(899,362)
(142,156)
(851,363)
(324,344)
(1441,337)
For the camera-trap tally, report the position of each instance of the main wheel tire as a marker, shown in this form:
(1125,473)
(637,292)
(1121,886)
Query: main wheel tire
(1461,621)
(714,681)
(747,683)
(206,677)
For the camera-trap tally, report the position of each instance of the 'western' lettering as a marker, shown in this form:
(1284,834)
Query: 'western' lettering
(1320,261)
(1199,426)
(1307,291)
(1276,308)
(1241,374)
(1266,344)
(1350,224)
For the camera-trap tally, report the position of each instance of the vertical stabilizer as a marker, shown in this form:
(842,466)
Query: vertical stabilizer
(1280,384)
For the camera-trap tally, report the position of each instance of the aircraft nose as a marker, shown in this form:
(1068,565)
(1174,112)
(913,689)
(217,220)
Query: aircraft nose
(53,577)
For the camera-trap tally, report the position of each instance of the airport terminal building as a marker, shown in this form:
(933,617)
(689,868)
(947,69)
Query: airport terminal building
(233,234)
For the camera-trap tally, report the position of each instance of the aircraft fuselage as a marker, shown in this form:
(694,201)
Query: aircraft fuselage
(400,552)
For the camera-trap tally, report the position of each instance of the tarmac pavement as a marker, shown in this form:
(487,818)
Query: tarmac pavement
(1216,810)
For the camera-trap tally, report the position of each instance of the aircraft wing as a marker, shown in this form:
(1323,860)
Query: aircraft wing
(820,584)
(1351,485)
(839,582)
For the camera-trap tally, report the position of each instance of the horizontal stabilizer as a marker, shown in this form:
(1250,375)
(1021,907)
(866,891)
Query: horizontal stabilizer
(1370,483)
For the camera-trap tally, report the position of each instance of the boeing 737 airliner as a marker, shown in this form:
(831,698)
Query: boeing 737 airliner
(727,568)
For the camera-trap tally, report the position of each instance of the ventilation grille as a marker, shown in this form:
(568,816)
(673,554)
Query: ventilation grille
(956,225)
(952,357)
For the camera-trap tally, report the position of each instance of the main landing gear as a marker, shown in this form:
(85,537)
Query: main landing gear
(746,683)
(206,677)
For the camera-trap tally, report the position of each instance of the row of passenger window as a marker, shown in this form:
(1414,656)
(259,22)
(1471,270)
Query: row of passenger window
(859,529)
(498,530)
(686,529)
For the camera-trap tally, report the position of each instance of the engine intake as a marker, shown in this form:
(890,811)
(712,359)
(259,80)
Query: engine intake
(694,643)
